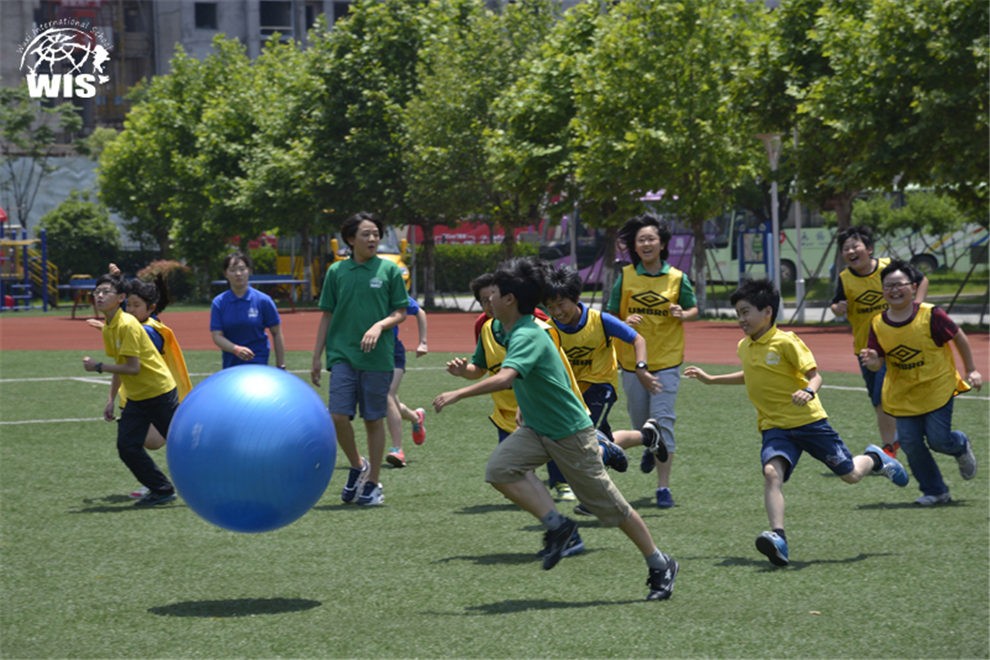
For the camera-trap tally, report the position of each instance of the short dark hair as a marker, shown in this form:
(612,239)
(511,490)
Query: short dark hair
(523,278)
(482,281)
(563,282)
(905,267)
(862,232)
(627,234)
(760,294)
(237,256)
(348,230)
(116,282)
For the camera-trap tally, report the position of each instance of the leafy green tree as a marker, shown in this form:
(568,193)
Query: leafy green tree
(472,55)
(81,237)
(29,134)
(656,110)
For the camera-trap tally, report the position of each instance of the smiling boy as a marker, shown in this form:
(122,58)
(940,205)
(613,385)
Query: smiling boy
(782,381)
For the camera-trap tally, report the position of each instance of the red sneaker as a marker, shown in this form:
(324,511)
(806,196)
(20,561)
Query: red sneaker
(419,427)
(891,450)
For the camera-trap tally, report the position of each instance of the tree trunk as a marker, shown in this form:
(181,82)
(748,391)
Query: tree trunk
(307,246)
(698,258)
(429,265)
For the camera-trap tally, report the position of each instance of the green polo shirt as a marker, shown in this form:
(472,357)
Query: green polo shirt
(359,295)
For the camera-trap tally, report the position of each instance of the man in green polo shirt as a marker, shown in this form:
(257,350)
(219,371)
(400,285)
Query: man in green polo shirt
(363,299)
(555,426)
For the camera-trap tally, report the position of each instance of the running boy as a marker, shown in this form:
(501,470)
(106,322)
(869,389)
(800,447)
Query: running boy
(152,396)
(912,339)
(782,381)
(555,426)
(859,298)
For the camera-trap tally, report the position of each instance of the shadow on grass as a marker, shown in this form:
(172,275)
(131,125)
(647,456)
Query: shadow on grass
(235,607)
(502,558)
(766,567)
(487,508)
(515,606)
(112,504)
(911,505)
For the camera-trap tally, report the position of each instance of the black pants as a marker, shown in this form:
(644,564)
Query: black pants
(132,429)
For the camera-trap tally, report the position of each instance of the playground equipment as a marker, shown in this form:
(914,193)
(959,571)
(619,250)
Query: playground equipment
(25,271)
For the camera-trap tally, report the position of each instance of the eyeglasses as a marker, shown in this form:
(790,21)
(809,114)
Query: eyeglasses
(896,285)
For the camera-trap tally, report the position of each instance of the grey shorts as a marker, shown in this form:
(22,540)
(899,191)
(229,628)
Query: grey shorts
(351,390)
(576,456)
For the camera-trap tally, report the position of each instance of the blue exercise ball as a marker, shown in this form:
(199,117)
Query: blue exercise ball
(251,448)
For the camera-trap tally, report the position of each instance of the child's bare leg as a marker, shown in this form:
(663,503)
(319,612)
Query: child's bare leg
(773,494)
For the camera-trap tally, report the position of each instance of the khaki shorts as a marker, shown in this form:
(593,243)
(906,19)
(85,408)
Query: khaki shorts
(576,456)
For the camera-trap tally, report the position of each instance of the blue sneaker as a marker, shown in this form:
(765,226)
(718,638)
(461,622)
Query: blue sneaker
(646,463)
(664,499)
(774,547)
(891,467)
(612,454)
(355,481)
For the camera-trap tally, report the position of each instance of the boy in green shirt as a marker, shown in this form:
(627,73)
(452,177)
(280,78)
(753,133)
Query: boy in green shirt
(555,426)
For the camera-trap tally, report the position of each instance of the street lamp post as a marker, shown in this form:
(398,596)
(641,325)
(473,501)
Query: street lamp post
(772,143)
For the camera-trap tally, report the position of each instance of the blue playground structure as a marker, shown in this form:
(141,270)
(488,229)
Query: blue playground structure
(25,273)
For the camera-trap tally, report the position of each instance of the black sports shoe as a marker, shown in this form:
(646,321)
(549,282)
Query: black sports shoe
(653,441)
(612,455)
(555,541)
(646,463)
(156,499)
(574,547)
(661,581)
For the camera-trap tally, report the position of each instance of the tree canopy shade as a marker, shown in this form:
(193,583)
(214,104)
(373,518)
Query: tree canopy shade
(656,109)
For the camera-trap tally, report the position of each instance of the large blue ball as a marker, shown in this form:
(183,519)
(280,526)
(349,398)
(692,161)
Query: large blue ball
(251,448)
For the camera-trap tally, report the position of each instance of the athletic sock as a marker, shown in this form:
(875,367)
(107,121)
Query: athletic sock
(657,560)
(877,461)
(553,520)
(780,532)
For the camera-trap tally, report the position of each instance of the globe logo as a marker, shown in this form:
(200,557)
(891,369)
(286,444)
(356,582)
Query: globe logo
(65,61)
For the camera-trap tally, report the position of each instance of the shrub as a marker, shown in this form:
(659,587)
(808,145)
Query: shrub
(178,277)
(456,265)
(81,237)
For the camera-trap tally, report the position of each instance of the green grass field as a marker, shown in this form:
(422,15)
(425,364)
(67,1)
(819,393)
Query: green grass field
(448,568)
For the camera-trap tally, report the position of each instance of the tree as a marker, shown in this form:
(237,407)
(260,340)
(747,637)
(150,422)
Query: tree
(655,109)
(81,236)
(29,134)
(472,55)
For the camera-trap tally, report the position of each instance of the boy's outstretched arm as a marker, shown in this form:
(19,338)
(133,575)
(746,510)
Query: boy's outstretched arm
(973,377)
(803,396)
(500,381)
(735,378)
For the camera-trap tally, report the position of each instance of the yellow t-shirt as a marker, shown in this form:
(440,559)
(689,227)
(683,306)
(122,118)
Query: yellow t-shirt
(774,367)
(124,337)
(921,375)
(864,300)
(174,360)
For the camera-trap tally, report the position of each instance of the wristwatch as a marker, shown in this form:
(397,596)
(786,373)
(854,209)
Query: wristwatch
(640,365)
(810,391)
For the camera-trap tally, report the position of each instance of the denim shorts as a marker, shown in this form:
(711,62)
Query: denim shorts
(352,390)
(400,354)
(818,439)
(874,382)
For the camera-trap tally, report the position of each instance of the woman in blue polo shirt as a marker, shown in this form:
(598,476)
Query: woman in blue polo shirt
(240,316)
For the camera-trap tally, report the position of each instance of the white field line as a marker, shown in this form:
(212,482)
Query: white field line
(106,381)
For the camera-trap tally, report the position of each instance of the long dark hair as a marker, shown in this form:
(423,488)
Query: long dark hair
(627,235)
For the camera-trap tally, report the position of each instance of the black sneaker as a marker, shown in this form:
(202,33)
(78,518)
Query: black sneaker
(661,581)
(555,542)
(612,455)
(156,499)
(574,547)
(653,441)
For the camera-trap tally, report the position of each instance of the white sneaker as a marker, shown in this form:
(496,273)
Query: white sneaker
(139,493)
(372,495)
(967,462)
(932,500)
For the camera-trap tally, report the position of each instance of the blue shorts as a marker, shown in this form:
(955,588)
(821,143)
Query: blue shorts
(818,439)
(351,390)
(874,382)
(400,354)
